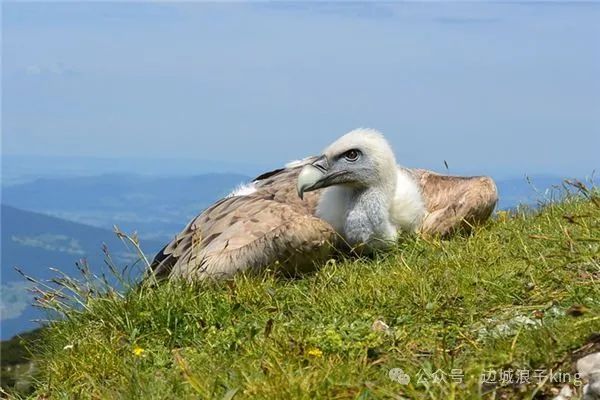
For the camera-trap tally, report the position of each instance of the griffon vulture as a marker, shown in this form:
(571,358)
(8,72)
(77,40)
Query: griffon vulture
(282,218)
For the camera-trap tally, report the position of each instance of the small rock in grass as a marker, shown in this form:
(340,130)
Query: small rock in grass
(380,326)
(589,368)
(565,393)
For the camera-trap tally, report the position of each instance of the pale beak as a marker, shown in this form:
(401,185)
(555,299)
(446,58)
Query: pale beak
(311,176)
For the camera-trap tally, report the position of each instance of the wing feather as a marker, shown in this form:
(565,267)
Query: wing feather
(271,226)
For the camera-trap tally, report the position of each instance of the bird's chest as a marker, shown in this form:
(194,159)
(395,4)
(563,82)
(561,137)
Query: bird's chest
(367,222)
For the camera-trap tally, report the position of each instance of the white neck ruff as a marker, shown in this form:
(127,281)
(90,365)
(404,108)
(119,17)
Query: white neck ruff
(405,207)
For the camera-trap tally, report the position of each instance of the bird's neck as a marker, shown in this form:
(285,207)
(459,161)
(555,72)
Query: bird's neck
(407,209)
(360,215)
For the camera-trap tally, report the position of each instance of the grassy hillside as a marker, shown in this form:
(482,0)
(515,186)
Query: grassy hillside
(521,294)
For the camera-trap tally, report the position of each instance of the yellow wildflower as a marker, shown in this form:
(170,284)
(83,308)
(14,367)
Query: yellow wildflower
(502,215)
(315,353)
(137,351)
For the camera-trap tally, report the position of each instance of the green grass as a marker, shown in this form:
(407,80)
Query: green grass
(521,293)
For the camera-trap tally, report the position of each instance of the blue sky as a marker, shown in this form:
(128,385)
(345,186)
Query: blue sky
(509,88)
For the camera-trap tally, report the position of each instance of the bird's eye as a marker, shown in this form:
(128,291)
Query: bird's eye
(352,155)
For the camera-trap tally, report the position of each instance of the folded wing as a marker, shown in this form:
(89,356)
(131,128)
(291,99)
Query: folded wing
(269,227)
(455,202)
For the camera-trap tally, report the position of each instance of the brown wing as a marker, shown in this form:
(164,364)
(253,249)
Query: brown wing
(455,202)
(269,227)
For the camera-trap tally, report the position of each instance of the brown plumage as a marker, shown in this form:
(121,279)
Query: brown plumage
(455,202)
(269,225)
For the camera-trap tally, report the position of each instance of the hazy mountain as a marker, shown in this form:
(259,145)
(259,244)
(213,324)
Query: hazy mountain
(26,168)
(530,190)
(156,207)
(35,242)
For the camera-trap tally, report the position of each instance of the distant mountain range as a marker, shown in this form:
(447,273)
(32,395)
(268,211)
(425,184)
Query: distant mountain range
(34,242)
(155,207)
(528,190)
(26,168)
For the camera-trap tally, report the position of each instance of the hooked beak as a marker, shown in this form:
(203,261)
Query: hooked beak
(313,176)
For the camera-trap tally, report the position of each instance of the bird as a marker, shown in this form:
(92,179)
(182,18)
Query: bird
(352,196)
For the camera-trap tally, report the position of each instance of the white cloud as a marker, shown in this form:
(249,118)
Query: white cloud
(55,69)
(14,300)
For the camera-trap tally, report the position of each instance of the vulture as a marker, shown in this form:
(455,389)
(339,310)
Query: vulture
(353,196)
